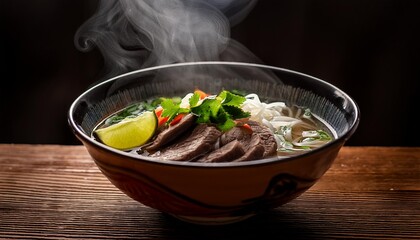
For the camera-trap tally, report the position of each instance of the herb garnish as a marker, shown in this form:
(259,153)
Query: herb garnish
(220,110)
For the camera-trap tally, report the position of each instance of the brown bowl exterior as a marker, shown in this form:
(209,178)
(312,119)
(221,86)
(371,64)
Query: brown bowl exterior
(213,195)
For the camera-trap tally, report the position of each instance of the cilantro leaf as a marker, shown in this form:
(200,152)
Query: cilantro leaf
(223,120)
(236,112)
(231,99)
(207,109)
(171,109)
(195,98)
(226,125)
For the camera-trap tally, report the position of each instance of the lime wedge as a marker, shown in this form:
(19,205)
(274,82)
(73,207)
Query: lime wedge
(130,132)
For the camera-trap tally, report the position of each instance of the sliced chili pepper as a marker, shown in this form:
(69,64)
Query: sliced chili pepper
(161,120)
(177,119)
(247,128)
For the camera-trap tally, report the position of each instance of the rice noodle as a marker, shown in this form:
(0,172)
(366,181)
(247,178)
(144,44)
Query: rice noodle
(294,128)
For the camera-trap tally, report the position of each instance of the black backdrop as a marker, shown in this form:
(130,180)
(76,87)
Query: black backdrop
(369,49)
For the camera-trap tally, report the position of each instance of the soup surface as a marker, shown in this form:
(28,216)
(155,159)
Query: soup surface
(226,127)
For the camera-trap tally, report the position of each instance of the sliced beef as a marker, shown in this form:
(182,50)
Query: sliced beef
(258,144)
(252,154)
(236,133)
(268,141)
(198,143)
(188,141)
(172,132)
(253,148)
(226,153)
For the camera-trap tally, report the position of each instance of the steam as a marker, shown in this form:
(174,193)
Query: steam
(133,34)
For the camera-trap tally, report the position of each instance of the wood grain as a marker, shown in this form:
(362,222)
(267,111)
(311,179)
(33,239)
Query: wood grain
(57,192)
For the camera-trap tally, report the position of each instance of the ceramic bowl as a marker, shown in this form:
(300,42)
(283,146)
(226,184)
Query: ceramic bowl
(209,193)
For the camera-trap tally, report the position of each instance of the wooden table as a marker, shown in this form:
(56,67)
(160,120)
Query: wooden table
(56,192)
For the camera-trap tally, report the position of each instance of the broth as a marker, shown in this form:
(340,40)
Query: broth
(294,129)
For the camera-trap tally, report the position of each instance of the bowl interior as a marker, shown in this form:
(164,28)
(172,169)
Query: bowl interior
(326,101)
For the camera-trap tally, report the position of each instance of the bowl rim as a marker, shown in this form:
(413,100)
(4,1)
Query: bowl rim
(258,162)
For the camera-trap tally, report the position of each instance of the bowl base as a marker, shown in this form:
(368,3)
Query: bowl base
(212,220)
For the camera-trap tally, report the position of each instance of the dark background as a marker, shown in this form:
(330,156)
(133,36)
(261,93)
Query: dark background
(369,49)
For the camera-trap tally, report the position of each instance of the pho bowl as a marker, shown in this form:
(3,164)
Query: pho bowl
(214,193)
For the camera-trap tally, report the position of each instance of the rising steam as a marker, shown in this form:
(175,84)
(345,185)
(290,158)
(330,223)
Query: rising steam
(133,34)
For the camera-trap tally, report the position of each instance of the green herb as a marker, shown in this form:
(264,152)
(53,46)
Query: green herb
(194,100)
(220,110)
(305,143)
(171,109)
(231,99)
(324,135)
(207,110)
(316,135)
